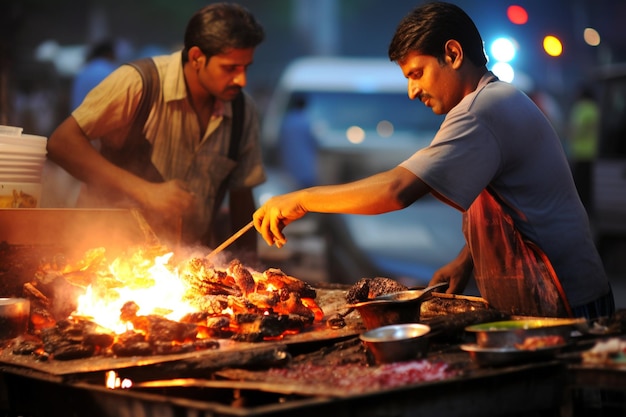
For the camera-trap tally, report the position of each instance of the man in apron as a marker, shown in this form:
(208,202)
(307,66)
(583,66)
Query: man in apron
(496,158)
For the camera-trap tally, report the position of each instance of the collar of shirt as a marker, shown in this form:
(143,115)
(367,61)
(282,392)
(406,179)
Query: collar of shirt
(174,88)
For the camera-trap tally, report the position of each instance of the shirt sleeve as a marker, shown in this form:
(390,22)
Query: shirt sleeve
(108,110)
(460,162)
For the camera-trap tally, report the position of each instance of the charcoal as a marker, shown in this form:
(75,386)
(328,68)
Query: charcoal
(100,340)
(216,328)
(198,317)
(240,305)
(211,304)
(259,326)
(278,279)
(27,347)
(131,343)
(293,305)
(221,322)
(299,322)
(132,349)
(73,351)
(131,337)
(243,277)
(52,338)
(162,329)
(168,348)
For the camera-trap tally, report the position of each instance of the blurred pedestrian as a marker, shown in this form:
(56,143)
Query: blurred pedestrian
(297,146)
(583,143)
(100,62)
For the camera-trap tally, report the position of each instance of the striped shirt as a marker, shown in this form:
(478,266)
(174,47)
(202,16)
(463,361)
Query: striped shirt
(180,149)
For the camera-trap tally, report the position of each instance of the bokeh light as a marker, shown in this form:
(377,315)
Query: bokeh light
(503,71)
(552,45)
(355,134)
(517,14)
(591,36)
(503,49)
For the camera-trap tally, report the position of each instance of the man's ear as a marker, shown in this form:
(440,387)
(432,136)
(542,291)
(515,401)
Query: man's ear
(196,56)
(454,53)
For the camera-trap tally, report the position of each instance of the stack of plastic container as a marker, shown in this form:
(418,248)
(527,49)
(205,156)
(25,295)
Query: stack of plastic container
(22,158)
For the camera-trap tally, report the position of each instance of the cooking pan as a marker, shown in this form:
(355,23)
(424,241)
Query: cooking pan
(394,308)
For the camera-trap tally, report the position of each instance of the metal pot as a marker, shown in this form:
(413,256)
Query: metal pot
(14,314)
(394,308)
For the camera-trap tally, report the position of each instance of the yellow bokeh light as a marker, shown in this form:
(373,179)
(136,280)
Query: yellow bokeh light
(552,45)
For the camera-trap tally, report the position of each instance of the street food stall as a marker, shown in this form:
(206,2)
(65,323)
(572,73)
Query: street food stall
(251,340)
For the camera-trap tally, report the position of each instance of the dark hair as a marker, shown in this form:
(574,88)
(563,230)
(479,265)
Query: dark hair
(428,27)
(222,26)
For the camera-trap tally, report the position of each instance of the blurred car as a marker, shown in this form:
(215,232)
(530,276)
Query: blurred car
(362,122)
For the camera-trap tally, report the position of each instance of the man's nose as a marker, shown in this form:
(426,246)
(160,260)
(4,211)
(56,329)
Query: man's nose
(240,79)
(413,89)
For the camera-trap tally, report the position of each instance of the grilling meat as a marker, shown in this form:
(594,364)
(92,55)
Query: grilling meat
(232,302)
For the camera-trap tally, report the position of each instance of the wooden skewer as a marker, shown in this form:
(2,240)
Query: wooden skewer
(231,239)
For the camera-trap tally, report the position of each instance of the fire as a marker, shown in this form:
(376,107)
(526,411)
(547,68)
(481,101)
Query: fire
(152,284)
(149,301)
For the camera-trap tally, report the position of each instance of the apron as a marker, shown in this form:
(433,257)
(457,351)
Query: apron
(511,273)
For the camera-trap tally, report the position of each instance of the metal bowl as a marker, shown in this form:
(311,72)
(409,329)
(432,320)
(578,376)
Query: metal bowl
(14,314)
(397,343)
(485,356)
(395,308)
(509,333)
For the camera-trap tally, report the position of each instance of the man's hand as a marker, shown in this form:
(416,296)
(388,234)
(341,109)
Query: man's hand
(170,199)
(456,273)
(275,214)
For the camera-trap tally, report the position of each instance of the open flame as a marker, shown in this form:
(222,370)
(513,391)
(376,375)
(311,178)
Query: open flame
(149,301)
(152,284)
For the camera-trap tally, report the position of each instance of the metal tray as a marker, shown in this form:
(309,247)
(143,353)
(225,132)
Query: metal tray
(494,356)
(508,333)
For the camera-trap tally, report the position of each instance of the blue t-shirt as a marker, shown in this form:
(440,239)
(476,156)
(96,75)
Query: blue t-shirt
(90,76)
(497,137)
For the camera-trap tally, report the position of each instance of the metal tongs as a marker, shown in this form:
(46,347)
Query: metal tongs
(230,240)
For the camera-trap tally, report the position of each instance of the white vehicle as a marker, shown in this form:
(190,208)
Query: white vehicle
(363,122)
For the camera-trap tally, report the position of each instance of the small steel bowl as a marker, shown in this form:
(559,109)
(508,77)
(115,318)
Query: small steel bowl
(509,333)
(397,343)
(396,308)
(14,315)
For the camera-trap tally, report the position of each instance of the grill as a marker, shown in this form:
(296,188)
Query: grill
(236,379)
